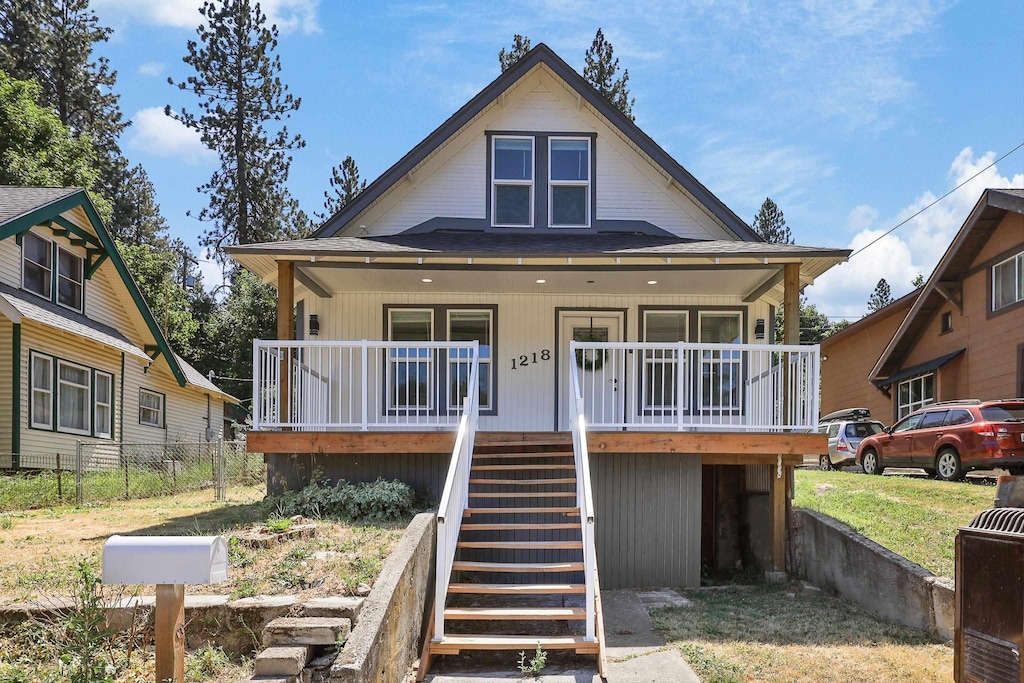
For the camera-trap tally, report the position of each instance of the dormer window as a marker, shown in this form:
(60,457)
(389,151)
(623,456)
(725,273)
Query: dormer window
(569,184)
(70,279)
(512,173)
(37,265)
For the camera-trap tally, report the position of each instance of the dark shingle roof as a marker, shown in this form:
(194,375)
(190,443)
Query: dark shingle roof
(17,201)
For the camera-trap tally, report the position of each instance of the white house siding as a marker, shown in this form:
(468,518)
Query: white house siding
(6,349)
(526,324)
(186,408)
(68,347)
(453,182)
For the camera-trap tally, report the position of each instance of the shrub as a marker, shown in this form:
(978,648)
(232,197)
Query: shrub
(376,501)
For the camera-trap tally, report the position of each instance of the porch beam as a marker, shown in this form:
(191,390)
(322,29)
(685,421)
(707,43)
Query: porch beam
(285,330)
(779,496)
(708,443)
(791,304)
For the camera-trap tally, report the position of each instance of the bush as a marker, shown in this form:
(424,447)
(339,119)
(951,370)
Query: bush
(377,501)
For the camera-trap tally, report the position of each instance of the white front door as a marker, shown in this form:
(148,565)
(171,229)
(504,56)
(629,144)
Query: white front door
(600,380)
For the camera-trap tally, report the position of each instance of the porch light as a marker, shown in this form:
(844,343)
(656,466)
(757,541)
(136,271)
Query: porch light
(759,329)
(652,282)
(427,280)
(540,282)
(314,325)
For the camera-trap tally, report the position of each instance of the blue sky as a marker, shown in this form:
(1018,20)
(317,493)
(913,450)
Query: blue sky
(850,115)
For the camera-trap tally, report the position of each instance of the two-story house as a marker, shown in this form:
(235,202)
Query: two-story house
(541,320)
(81,356)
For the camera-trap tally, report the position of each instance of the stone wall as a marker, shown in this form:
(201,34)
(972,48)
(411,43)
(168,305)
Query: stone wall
(835,557)
(387,639)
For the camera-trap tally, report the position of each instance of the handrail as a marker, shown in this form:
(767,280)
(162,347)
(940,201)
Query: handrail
(585,500)
(455,496)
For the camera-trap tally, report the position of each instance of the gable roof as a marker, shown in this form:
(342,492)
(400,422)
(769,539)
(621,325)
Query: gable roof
(900,306)
(23,207)
(541,54)
(942,286)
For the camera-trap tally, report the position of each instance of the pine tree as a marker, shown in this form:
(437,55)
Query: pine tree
(770,224)
(520,46)
(22,38)
(880,298)
(918,281)
(345,184)
(241,102)
(600,71)
(136,216)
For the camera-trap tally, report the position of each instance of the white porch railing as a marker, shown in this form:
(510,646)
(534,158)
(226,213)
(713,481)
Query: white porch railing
(585,500)
(684,386)
(454,498)
(361,385)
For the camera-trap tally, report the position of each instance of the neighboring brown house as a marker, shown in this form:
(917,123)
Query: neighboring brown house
(962,337)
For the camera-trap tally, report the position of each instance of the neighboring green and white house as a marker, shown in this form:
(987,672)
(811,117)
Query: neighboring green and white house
(81,355)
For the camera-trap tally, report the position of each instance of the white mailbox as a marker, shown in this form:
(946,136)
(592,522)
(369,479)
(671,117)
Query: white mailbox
(165,559)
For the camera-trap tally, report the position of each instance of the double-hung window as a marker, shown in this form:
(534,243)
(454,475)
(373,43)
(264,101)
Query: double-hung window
(151,408)
(466,325)
(74,405)
(661,366)
(569,182)
(410,370)
(70,279)
(720,370)
(1008,282)
(103,403)
(512,181)
(42,391)
(37,265)
(915,393)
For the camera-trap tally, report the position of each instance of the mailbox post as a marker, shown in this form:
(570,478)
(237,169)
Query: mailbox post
(170,562)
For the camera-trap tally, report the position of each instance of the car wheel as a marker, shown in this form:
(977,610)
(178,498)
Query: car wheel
(825,464)
(870,462)
(948,466)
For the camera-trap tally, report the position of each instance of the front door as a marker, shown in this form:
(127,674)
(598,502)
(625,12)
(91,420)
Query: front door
(599,375)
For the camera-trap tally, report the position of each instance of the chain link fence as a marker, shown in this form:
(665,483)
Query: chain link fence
(123,471)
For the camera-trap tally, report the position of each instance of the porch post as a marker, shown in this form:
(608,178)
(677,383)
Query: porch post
(285,330)
(782,474)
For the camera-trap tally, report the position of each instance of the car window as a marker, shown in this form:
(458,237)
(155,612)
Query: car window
(833,430)
(859,430)
(933,418)
(907,423)
(1005,413)
(958,417)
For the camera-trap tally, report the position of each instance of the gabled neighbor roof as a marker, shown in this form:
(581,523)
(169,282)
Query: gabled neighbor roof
(944,283)
(24,207)
(541,54)
(898,307)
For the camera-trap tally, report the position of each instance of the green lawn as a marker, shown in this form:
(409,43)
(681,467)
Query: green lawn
(914,517)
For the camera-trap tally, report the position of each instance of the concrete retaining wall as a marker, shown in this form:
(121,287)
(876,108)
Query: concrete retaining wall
(837,558)
(386,641)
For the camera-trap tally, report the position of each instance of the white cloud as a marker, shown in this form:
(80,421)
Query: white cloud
(289,15)
(152,68)
(156,133)
(913,248)
(213,273)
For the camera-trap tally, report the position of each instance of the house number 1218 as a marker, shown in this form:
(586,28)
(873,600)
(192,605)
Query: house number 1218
(531,358)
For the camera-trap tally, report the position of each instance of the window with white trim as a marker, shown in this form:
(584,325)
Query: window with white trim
(70,279)
(915,393)
(1008,282)
(469,325)
(512,181)
(103,404)
(410,371)
(720,371)
(151,408)
(37,265)
(42,391)
(569,182)
(74,392)
(660,382)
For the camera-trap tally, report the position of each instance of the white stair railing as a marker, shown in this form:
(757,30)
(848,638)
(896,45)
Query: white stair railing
(585,500)
(455,497)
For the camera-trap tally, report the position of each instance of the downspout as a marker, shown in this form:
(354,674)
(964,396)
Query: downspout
(16,396)
(120,410)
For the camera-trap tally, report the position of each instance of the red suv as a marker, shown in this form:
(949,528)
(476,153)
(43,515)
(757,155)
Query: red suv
(948,439)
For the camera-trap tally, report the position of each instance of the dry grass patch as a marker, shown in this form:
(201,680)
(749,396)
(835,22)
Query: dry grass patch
(781,635)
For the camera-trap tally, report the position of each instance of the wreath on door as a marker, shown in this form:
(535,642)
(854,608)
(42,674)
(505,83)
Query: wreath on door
(590,359)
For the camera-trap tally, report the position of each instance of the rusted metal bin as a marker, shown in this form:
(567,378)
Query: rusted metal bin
(989,627)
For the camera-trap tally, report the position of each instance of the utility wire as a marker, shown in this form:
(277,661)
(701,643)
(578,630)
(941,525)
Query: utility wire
(910,218)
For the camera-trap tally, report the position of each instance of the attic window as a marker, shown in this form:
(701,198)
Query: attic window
(947,322)
(569,182)
(37,265)
(512,189)
(1008,282)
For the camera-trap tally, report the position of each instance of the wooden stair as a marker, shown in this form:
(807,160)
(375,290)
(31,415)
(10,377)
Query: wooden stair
(517,579)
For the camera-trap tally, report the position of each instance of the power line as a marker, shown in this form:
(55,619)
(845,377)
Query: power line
(910,218)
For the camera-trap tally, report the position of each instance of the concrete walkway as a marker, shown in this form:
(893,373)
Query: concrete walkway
(635,653)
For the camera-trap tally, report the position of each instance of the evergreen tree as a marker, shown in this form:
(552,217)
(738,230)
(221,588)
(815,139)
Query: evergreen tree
(345,184)
(880,298)
(136,215)
(814,325)
(241,102)
(601,69)
(918,281)
(520,46)
(157,273)
(770,224)
(22,38)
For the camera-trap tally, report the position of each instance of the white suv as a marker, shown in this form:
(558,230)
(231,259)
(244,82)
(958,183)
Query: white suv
(845,429)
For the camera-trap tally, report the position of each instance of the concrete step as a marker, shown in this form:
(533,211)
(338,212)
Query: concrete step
(286,631)
(281,661)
